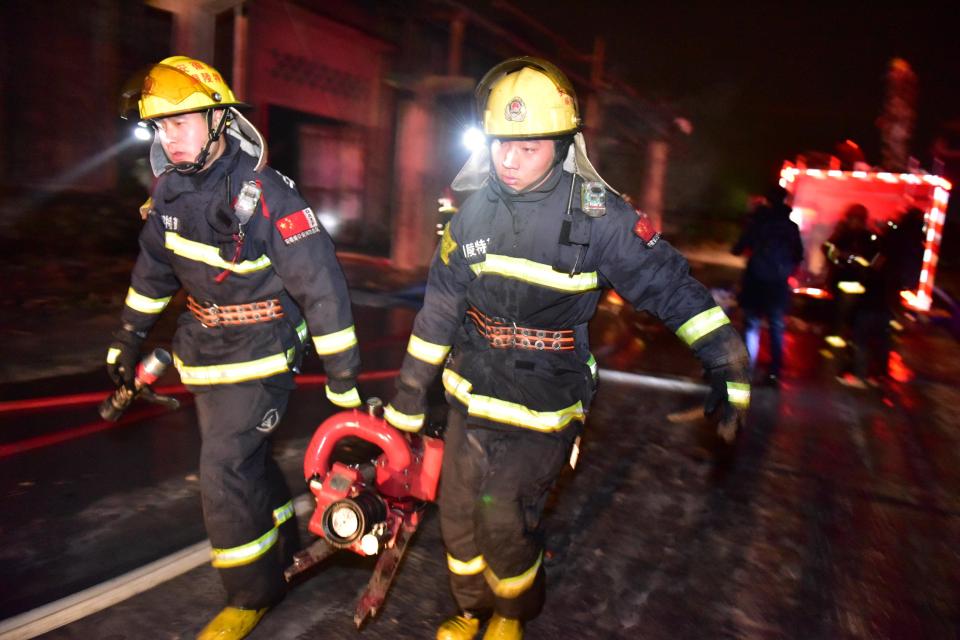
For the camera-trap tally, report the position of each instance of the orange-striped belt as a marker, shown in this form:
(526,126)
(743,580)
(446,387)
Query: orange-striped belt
(214,315)
(507,335)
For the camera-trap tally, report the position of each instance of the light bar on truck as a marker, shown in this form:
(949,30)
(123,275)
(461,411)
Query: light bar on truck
(920,299)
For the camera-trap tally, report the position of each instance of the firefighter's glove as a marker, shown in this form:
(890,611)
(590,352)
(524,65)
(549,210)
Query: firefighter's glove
(342,390)
(123,356)
(408,408)
(728,399)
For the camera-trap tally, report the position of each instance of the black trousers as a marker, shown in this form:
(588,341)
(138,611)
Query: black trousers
(493,488)
(247,506)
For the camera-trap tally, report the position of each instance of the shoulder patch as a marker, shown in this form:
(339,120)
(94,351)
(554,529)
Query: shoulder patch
(447,245)
(297,226)
(644,229)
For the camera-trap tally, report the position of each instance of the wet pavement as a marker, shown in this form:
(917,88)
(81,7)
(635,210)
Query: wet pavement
(836,514)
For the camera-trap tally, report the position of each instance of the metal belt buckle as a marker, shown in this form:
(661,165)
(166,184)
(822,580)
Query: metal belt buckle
(215,310)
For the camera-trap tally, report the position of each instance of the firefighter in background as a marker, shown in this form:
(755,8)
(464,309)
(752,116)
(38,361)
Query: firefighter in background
(774,247)
(511,287)
(849,250)
(895,268)
(261,275)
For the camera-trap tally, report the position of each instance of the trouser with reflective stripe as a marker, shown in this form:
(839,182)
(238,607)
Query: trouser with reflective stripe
(246,502)
(493,488)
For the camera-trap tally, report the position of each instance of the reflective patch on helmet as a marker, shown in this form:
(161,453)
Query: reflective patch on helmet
(447,245)
(516,110)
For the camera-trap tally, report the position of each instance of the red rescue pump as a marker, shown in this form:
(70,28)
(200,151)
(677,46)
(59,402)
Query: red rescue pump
(372,508)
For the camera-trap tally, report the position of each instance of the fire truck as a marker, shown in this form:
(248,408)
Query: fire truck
(821,195)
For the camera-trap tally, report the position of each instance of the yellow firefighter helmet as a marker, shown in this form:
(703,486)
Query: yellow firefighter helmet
(178,84)
(527,97)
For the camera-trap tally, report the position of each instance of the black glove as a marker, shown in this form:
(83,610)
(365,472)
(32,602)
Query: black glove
(408,408)
(342,390)
(123,356)
(728,399)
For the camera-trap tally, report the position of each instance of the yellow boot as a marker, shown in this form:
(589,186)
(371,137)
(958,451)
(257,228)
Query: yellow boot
(458,628)
(232,623)
(501,628)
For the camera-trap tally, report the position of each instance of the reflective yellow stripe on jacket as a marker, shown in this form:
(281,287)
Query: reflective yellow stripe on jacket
(508,412)
(701,324)
(427,351)
(535,273)
(210,255)
(144,304)
(347,399)
(331,343)
(233,372)
(403,421)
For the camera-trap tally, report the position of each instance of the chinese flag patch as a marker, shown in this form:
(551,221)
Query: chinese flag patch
(644,229)
(298,226)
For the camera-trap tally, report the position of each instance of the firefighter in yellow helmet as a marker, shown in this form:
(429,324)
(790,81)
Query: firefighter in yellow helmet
(261,277)
(516,278)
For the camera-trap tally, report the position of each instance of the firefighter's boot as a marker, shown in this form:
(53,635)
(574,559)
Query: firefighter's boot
(459,628)
(232,623)
(501,628)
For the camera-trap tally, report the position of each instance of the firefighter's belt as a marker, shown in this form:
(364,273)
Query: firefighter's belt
(507,335)
(213,315)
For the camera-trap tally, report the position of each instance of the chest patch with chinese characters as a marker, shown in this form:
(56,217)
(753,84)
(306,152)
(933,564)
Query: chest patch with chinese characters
(475,248)
(170,223)
(298,226)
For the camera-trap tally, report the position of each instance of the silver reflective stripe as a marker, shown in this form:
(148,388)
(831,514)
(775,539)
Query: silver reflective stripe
(331,343)
(702,324)
(535,273)
(210,255)
(738,393)
(234,372)
(245,553)
(403,421)
(347,399)
(427,351)
(143,304)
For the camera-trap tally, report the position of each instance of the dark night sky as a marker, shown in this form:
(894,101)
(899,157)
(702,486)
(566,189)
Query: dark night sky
(762,84)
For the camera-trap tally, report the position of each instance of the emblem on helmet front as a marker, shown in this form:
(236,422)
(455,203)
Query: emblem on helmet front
(516,111)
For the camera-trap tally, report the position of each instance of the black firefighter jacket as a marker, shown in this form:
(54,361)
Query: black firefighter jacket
(498,255)
(191,240)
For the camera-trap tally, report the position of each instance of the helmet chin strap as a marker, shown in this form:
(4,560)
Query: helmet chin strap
(213,134)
